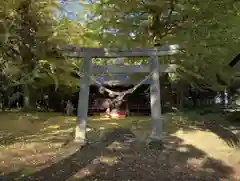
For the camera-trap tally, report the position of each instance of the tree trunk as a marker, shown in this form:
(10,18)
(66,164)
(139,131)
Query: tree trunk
(26,98)
(180,95)
(2,102)
(29,102)
(2,105)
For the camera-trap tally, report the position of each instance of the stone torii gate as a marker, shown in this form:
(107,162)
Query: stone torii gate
(88,53)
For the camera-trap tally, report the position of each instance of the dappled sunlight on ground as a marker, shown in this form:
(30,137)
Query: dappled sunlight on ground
(39,145)
(101,118)
(208,142)
(91,168)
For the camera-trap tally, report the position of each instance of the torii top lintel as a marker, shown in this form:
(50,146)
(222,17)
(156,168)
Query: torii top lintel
(76,52)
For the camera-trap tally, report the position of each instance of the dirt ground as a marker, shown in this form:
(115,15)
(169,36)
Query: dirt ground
(37,146)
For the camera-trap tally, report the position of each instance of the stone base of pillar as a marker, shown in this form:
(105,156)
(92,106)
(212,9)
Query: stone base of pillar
(80,135)
(155,142)
(80,141)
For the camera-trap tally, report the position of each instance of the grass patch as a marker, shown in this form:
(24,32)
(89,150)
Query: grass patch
(34,144)
(28,127)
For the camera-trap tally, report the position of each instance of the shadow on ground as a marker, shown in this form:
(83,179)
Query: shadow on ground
(215,123)
(119,157)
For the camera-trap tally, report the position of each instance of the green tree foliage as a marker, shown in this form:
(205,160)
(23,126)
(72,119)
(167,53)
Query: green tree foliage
(211,38)
(209,30)
(131,23)
(30,34)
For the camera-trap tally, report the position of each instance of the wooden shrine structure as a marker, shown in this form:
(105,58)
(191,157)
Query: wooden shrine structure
(154,68)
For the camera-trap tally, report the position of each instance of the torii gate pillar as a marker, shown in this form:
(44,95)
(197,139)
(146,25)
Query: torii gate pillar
(155,100)
(82,110)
